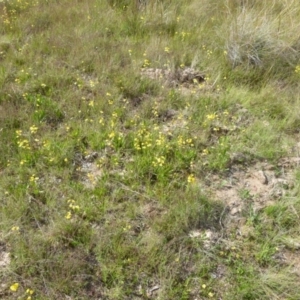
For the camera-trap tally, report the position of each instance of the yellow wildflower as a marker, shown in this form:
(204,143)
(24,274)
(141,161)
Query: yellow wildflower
(14,287)
(211,116)
(29,291)
(68,216)
(191,178)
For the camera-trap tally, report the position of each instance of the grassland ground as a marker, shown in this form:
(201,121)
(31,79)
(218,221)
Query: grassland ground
(150,151)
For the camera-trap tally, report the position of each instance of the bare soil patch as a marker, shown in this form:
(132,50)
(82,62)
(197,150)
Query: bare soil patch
(183,78)
(4,256)
(5,260)
(246,188)
(259,185)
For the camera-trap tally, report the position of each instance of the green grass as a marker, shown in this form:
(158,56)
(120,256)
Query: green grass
(105,172)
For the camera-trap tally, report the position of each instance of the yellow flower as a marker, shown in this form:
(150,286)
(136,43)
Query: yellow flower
(23,161)
(159,161)
(73,206)
(204,286)
(29,291)
(191,178)
(24,144)
(18,133)
(68,216)
(33,178)
(14,287)
(15,228)
(146,63)
(204,152)
(101,121)
(210,294)
(211,116)
(33,129)
(111,135)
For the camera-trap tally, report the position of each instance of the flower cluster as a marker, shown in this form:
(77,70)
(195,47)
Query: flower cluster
(182,141)
(191,178)
(143,139)
(10,12)
(33,179)
(159,161)
(16,229)
(28,293)
(182,35)
(73,209)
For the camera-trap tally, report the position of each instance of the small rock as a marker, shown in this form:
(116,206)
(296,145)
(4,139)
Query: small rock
(235,211)
(190,75)
(195,233)
(150,291)
(242,111)
(292,243)
(4,259)
(284,183)
(91,157)
(262,177)
(168,114)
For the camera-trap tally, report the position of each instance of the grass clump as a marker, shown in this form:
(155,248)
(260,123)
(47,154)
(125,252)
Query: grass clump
(121,122)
